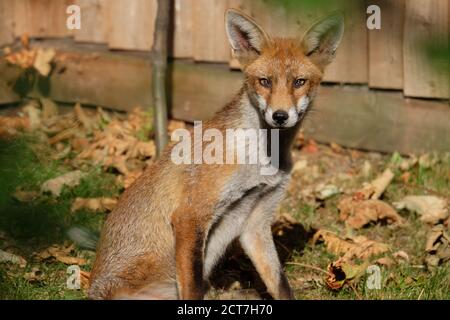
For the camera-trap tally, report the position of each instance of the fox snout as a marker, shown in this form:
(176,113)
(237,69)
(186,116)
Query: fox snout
(284,117)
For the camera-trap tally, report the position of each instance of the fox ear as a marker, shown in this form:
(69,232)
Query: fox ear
(247,39)
(322,39)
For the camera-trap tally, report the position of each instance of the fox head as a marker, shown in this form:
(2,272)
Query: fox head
(282,74)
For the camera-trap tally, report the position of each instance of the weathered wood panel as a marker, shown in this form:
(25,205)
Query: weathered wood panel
(426,23)
(386,46)
(132,24)
(95,21)
(6,22)
(40,18)
(351,62)
(209,36)
(183,29)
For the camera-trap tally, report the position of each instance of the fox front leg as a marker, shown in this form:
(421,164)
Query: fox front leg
(189,255)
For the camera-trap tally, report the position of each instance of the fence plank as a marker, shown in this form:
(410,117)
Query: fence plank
(6,22)
(209,36)
(386,46)
(132,24)
(95,21)
(350,64)
(424,21)
(41,18)
(182,36)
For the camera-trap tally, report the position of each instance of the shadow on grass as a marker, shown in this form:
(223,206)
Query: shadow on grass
(45,220)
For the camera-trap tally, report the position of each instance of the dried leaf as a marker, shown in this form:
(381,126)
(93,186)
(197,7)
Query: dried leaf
(12,258)
(437,246)
(34,115)
(35,275)
(300,165)
(25,196)
(311,147)
(432,209)
(324,192)
(61,254)
(376,188)
(341,272)
(358,213)
(401,255)
(49,109)
(358,247)
(55,186)
(94,204)
(42,62)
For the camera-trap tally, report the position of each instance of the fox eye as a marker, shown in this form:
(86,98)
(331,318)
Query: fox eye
(265,82)
(299,83)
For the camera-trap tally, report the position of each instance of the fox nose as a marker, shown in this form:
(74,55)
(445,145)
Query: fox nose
(280,116)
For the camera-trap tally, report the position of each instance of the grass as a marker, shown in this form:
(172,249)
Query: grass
(32,226)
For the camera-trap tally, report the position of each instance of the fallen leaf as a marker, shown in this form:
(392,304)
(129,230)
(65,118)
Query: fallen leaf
(358,213)
(341,272)
(385,261)
(174,125)
(432,209)
(49,109)
(358,247)
(25,196)
(324,192)
(12,258)
(87,122)
(311,147)
(405,177)
(366,169)
(437,247)
(401,255)
(428,160)
(42,62)
(55,185)
(336,148)
(94,204)
(35,275)
(10,126)
(300,165)
(61,254)
(376,188)
(34,115)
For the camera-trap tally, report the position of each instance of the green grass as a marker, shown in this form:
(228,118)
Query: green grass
(32,226)
(29,227)
(402,281)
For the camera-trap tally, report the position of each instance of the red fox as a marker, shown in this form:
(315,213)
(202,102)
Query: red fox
(172,226)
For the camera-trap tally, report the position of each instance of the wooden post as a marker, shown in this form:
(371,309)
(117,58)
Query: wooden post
(159,74)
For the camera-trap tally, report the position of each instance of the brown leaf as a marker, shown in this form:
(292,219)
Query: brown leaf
(35,275)
(358,213)
(55,185)
(341,272)
(358,247)
(437,246)
(25,196)
(12,258)
(49,109)
(311,147)
(432,209)
(94,204)
(61,254)
(42,62)
(174,125)
(376,188)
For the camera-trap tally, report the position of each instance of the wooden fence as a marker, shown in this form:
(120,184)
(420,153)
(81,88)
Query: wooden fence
(390,58)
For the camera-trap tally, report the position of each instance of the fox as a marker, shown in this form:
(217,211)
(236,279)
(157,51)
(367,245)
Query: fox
(172,226)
